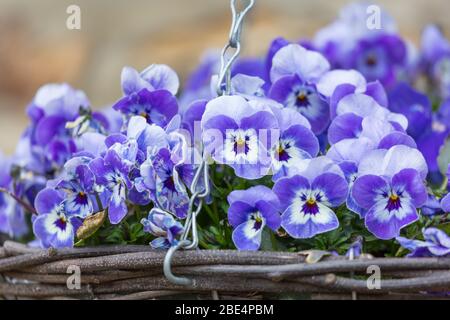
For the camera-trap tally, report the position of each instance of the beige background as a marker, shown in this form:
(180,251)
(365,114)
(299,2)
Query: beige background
(36,47)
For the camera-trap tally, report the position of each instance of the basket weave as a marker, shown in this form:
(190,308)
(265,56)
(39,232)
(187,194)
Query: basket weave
(135,272)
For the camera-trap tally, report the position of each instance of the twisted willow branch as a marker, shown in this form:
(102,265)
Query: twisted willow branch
(135,272)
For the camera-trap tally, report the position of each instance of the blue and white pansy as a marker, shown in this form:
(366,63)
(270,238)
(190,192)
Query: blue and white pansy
(390,187)
(249,213)
(240,133)
(296,142)
(307,198)
(53,225)
(294,74)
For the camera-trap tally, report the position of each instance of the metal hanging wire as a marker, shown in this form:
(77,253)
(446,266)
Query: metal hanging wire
(229,55)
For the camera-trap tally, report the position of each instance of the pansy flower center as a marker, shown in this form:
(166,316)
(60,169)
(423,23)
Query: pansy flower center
(169,183)
(258,220)
(371,60)
(81,198)
(61,223)
(282,152)
(394,202)
(302,99)
(310,206)
(241,144)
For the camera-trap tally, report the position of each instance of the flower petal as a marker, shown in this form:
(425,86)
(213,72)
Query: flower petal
(367,189)
(302,225)
(246,237)
(334,187)
(46,200)
(387,225)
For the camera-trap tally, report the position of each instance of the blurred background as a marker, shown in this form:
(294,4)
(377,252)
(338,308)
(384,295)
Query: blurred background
(37,48)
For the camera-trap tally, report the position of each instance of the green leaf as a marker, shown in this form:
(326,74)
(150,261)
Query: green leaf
(444,157)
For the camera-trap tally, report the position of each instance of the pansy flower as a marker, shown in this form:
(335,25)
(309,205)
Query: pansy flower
(240,133)
(149,94)
(53,226)
(295,73)
(249,213)
(307,198)
(112,176)
(340,37)
(79,190)
(436,244)
(51,143)
(164,179)
(379,58)
(164,226)
(296,142)
(390,187)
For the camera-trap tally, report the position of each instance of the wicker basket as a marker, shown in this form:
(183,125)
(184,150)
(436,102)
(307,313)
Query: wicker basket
(135,272)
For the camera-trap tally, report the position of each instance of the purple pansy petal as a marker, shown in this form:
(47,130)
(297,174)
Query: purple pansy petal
(132,81)
(294,59)
(253,195)
(47,200)
(340,92)
(287,189)
(332,79)
(304,139)
(412,104)
(234,107)
(157,107)
(312,168)
(359,104)
(245,237)
(410,181)
(353,206)
(386,225)
(434,45)
(262,120)
(115,138)
(367,188)
(402,157)
(350,150)
(270,214)
(193,115)
(438,237)
(289,117)
(247,86)
(100,170)
(412,245)
(117,209)
(346,126)
(376,90)
(251,171)
(396,138)
(334,187)
(48,127)
(302,225)
(238,212)
(161,77)
(91,142)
